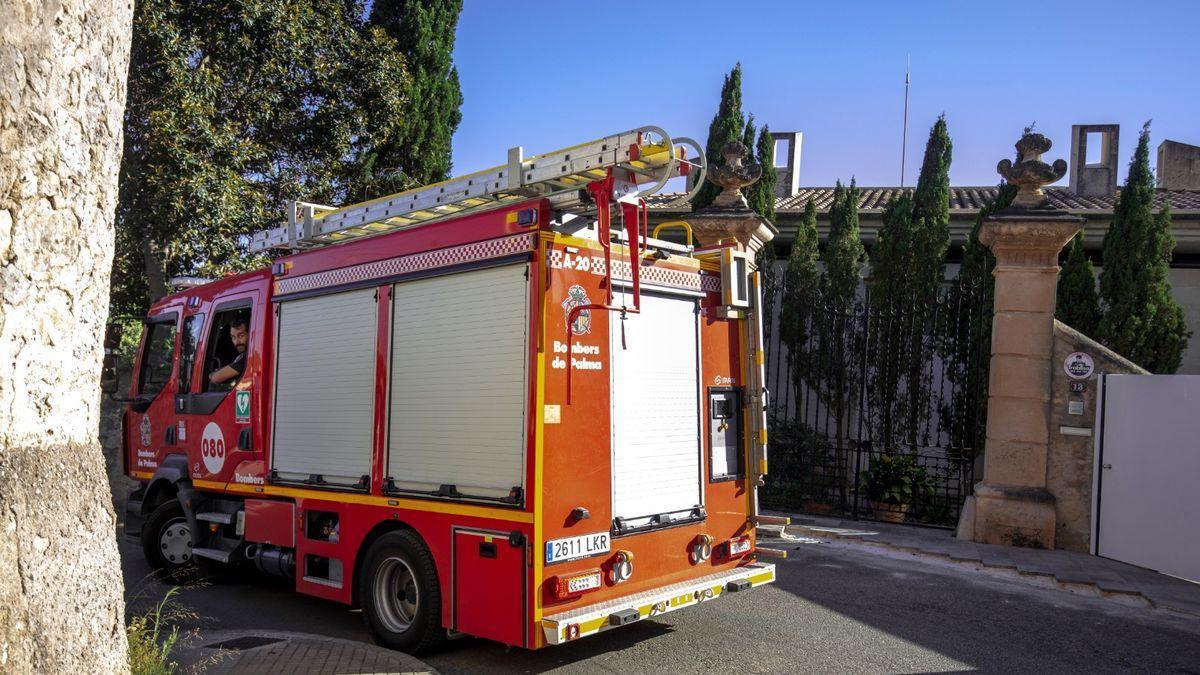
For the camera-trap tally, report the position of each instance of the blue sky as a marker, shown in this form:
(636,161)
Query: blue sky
(550,74)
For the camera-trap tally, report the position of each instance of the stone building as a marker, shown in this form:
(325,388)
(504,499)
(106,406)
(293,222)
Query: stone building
(1091,193)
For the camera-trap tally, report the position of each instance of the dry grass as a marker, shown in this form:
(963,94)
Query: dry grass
(153,634)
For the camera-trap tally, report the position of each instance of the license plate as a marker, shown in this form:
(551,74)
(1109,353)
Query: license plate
(739,546)
(584,582)
(573,548)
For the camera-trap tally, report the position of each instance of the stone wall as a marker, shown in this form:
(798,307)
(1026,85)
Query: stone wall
(63,67)
(1069,464)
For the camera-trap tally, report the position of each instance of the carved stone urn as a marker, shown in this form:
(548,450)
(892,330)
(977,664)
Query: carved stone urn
(1030,173)
(729,217)
(735,175)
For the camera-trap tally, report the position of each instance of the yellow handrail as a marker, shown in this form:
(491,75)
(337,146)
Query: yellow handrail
(674,223)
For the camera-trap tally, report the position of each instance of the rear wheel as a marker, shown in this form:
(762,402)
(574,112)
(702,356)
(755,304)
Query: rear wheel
(167,539)
(401,599)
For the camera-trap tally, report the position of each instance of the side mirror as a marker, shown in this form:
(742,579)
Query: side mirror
(112,337)
(109,380)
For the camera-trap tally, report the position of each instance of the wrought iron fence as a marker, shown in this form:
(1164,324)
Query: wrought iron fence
(877,409)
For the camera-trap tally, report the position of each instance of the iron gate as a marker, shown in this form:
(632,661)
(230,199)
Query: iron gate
(877,410)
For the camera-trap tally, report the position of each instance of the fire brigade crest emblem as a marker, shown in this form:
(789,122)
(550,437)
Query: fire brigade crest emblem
(576,297)
(144,428)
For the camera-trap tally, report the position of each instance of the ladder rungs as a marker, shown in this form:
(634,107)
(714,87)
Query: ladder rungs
(549,175)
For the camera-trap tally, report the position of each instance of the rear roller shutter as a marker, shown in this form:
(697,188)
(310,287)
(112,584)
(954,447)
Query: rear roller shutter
(656,414)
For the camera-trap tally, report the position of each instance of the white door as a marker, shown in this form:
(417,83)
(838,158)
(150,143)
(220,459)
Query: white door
(656,412)
(1149,468)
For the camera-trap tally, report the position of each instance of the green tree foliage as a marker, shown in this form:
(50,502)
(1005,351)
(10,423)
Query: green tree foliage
(911,249)
(906,277)
(748,133)
(727,125)
(761,199)
(762,193)
(424,33)
(1077,303)
(931,208)
(801,294)
(845,256)
(1142,321)
(969,344)
(236,107)
(835,367)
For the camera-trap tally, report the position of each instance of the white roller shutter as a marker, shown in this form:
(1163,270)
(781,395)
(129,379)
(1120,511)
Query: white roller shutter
(459,385)
(325,387)
(656,412)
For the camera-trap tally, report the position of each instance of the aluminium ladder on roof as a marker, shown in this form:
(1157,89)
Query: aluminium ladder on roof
(646,156)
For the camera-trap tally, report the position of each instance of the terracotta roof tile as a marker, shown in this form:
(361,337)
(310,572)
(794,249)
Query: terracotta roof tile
(961,199)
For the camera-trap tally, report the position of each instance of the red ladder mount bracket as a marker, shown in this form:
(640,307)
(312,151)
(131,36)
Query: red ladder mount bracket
(635,217)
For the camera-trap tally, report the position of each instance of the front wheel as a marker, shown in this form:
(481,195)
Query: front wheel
(401,599)
(167,539)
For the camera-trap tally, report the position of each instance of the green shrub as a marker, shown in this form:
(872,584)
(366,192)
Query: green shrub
(896,479)
(151,640)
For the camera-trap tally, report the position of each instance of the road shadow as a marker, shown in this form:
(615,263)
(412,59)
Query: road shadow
(985,621)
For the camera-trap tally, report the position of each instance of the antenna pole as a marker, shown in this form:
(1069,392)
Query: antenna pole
(904,134)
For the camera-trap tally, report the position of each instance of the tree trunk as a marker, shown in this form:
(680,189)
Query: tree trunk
(156,276)
(62,95)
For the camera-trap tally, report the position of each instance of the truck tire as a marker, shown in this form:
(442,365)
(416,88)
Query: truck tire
(400,595)
(167,540)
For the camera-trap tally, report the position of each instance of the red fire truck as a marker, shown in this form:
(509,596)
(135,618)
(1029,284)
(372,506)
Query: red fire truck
(495,406)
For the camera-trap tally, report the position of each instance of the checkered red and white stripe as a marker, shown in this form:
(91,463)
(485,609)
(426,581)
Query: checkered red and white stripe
(417,262)
(659,276)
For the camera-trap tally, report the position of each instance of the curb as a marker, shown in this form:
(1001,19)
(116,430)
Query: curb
(1103,589)
(255,651)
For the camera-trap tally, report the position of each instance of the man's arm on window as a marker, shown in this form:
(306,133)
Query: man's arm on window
(222,374)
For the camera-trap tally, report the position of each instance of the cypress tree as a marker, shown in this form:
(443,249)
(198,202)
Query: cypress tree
(801,293)
(748,134)
(802,281)
(424,33)
(761,199)
(912,243)
(762,196)
(1142,321)
(906,277)
(845,256)
(969,345)
(892,292)
(727,125)
(835,366)
(1077,303)
(931,211)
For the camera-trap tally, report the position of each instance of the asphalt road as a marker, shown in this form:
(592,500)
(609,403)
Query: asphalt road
(833,609)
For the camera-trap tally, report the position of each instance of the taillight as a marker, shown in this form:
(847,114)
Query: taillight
(701,548)
(622,567)
(574,584)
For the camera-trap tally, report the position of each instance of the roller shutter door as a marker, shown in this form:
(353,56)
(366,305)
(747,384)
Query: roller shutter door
(458,382)
(325,387)
(656,413)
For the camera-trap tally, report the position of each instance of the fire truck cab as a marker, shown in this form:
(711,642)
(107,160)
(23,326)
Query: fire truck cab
(496,406)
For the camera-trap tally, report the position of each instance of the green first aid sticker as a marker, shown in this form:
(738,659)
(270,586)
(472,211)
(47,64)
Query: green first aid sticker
(241,405)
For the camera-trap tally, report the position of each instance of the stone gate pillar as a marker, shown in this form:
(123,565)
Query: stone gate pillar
(1012,505)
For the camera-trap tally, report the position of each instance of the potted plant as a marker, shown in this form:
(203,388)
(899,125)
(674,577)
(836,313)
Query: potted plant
(892,483)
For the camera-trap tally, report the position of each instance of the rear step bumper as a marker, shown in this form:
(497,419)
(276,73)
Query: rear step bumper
(577,623)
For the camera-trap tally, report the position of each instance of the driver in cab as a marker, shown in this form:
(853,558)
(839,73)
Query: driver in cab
(239,334)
